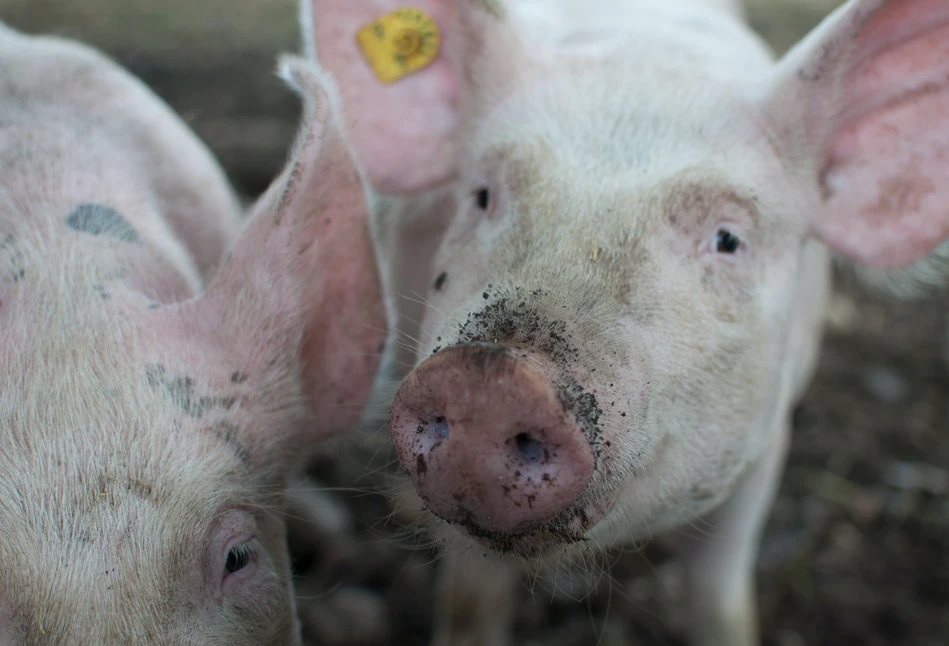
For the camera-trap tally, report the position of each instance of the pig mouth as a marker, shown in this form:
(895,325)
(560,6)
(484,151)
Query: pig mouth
(570,528)
(531,544)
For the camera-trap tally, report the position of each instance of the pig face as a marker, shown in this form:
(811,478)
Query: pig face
(612,337)
(145,444)
(136,504)
(642,296)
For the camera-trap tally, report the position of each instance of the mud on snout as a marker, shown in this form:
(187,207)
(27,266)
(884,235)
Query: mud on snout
(501,431)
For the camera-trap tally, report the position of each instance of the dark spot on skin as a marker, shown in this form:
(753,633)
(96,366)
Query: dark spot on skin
(107,487)
(14,259)
(440,281)
(154,306)
(142,489)
(688,208)
(904,193)
(238,378)
(420,466)
(100,220)
(585,409)
(290,189)
(514,321)
(815,70)
(584,519)
(180,390)
(100,290)
(228,433)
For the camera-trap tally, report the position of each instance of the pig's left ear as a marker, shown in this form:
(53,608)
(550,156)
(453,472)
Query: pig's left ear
(300,294)
(862,104)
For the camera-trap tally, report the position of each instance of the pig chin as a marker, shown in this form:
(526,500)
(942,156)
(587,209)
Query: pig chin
(568,529)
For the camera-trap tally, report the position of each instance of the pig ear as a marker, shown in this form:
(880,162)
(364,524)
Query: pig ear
(404,127)
(863,102)
(301,288)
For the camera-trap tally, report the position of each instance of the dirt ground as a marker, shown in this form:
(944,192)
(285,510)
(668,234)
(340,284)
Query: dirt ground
(857,547)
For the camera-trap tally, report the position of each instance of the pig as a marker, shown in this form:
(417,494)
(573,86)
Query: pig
(631,210)
(167,365)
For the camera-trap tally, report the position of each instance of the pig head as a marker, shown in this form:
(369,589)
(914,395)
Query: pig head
(627,297)
(157,392)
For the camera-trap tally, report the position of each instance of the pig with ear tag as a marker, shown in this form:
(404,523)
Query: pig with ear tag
(631,209)
(166,369)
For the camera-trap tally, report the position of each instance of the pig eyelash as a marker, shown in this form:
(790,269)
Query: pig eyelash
(238,557)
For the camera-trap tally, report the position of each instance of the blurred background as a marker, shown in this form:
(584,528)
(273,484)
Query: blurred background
(857,547)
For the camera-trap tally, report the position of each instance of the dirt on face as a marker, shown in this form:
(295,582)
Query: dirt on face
(857,547)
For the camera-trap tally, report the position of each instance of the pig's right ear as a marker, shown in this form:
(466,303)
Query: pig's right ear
(405,125)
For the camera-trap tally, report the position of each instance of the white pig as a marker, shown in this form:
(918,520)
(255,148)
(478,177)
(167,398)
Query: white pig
(148,425)
(626,302)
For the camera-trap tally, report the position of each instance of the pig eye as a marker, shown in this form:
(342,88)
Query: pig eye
(726,241)
(238,557)
(482,199)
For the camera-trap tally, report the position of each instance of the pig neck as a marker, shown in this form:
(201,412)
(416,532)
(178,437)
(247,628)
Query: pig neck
(63,202)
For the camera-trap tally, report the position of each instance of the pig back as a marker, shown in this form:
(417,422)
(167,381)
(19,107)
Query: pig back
(79,130)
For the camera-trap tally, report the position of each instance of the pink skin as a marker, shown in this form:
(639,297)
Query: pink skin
(424,134)
(878,201)
(493,447)
(149,425)
(884,197)
(644,203)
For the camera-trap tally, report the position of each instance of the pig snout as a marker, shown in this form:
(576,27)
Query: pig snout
(487,441)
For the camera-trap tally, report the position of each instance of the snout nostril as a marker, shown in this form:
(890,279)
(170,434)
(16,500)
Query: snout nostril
(436,427)
(484,434)
(528,447)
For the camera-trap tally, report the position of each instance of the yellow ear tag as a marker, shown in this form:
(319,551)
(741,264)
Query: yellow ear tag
(399,43)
